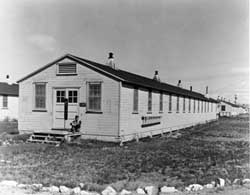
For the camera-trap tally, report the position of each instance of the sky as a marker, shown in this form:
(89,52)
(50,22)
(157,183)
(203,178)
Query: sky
(200,42)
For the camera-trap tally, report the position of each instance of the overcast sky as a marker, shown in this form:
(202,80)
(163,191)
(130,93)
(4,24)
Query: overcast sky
(201,42)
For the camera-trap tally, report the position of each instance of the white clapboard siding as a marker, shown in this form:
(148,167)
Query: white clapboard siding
(130,124)
(11,111)
(93,124)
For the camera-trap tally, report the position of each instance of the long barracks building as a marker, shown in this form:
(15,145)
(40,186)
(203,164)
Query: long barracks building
(113,104)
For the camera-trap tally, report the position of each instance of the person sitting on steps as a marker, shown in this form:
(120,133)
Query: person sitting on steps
(75,125)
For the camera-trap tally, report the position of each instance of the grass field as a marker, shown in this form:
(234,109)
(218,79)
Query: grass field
(199,155)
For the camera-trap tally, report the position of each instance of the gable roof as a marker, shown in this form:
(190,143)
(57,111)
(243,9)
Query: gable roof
(230,103)
(127,77)
(10,90)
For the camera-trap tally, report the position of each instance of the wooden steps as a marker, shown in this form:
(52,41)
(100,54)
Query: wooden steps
(53,137)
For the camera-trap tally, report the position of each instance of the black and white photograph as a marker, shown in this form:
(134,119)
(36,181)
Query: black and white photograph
(124,97)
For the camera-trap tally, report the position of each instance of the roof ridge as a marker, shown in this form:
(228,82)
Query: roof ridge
(145,77)
(126,77)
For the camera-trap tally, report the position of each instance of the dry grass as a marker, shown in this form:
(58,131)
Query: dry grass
(9,126)
(160,161)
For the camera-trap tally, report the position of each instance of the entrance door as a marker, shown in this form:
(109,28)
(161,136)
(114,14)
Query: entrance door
(58,112)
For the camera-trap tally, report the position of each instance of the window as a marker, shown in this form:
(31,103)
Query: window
(60,95)
(161,102)
(40,95)
(73,94)
(150,101)
(198,106)
(94,97)
(5,101)
(189,105)
(212,105)
(194,106)
(177,104)
(201,106)
(67,68)
(135,101)
(223,108)
(184,104)
(170,103)
(205,106)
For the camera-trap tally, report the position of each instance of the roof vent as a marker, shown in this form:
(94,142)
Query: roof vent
(206,95)
(111,62)
(8,79)
(156,76)
(179,83)
(235,98)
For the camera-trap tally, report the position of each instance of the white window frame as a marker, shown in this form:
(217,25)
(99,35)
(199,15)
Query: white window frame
(135,111)
(161,103)
(7,100)
(177,104)
(66,63)
(189,105)
(34,97)
(184,105)
(194,106)
(150,101)
(87,96)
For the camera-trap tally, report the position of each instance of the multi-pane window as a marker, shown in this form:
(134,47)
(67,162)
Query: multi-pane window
(40,95)
(161,103)
(223,108)
(177,103)
(150,101)
(5,101)
(194,106)
(184,104)
(94,96)
(73,96)
(189,105)
(170,103)
(135,101)
(60,96)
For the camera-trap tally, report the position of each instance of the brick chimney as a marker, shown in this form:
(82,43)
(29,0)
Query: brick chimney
(191,88)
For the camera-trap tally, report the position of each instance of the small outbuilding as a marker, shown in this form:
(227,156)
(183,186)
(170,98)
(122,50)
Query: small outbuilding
(113,104)
(8,101)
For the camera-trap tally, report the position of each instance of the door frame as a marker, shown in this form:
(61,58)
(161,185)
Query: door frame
(67,88)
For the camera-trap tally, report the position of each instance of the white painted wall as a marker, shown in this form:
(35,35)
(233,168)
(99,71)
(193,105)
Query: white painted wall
(93,125)
(12,110)
(106,126)
(130,124)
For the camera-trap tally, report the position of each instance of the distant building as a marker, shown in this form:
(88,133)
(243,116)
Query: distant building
(113,105)
(8,101)
(230,109)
